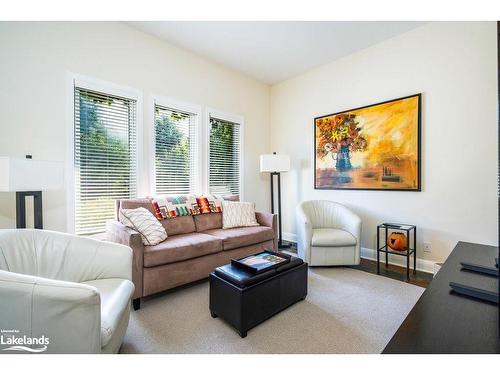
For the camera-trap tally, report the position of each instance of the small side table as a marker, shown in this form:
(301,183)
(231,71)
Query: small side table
(411,247)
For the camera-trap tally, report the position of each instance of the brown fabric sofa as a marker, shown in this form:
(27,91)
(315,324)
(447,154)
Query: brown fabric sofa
(194,247)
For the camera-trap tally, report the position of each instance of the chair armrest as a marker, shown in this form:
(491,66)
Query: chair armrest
(269,220)
(68,314)
(115,261)
(119,233)
(304,234)
(350,222)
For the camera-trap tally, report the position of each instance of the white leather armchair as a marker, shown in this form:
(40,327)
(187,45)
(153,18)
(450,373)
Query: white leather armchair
(328,234)
(74,291)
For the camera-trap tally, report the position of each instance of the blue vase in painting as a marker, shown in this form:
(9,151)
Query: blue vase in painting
(343,166)
(343,159)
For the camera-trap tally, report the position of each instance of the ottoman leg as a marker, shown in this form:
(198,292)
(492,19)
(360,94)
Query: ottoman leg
(243,334)
(213,315)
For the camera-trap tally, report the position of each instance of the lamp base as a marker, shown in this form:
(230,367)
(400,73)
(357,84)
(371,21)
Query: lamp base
(21,208)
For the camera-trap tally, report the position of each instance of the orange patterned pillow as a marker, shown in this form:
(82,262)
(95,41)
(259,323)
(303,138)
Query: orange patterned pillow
(157,210)
(209,204)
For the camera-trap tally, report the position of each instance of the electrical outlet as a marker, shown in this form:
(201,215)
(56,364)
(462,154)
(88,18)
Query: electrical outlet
(427,247)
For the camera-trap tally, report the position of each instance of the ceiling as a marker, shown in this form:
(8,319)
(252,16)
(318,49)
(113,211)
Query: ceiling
(273,51)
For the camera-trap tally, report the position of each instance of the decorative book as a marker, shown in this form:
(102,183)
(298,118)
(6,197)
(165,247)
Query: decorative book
(261,262)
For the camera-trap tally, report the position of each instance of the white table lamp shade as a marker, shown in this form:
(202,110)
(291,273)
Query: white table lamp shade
(274,163)
(18,174)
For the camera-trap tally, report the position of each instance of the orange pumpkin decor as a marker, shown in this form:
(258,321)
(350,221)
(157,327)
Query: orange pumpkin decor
(397,241)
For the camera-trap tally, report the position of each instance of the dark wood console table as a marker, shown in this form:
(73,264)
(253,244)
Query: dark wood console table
(444,322)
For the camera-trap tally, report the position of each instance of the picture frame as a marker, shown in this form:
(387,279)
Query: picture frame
(373,147)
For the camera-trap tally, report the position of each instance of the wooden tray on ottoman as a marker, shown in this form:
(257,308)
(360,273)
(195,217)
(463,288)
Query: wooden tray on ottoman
(244,299)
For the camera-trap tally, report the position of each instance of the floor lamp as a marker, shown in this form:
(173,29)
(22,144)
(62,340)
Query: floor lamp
(28,177)
(275,165)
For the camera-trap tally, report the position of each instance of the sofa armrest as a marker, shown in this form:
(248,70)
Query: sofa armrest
(269,220)
(119,233)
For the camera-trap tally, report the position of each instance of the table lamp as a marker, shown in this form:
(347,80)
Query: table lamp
(275,165)
(28,177)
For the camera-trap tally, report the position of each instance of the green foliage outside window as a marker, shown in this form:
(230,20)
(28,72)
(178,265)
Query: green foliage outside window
(172,146)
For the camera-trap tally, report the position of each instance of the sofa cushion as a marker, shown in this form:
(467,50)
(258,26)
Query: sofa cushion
(134,203)
(208,221)
(238,237)
(329,237)
(230,197)
(115,300)
(179,225)
(181,247)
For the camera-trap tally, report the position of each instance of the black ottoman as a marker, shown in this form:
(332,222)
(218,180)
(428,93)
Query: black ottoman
(245,300)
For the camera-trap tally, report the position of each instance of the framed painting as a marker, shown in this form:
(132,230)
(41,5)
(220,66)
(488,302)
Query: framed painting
(376,147)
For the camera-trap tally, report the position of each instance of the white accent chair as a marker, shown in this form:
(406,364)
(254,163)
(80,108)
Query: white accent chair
(75,291)
(329,234)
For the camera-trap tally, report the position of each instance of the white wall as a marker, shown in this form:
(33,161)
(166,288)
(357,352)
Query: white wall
(35,58)
(454,65)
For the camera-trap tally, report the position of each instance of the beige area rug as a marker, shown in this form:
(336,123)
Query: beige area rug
(346,311)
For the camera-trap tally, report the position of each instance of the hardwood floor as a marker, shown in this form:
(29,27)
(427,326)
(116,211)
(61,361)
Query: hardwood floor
(422,279)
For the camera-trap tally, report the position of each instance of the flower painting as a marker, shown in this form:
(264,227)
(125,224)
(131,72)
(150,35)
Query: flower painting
(375,147)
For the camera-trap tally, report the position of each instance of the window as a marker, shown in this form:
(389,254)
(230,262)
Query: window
(176,151)
(224,156)
(105,156)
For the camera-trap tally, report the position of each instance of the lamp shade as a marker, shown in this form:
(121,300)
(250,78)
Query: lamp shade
(18,174)
(274,163)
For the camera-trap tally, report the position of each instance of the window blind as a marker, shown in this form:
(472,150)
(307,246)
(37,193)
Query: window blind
(224,157)
(105,155)
(175,151)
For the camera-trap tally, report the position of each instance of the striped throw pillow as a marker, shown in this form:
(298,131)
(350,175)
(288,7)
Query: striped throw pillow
(143,221)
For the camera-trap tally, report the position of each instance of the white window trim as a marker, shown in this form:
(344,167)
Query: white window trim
(91,83)
(210,112)
(175,104)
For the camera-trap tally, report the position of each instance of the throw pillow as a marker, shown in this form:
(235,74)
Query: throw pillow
(173,206)
(157,209)
(208,204)
(238,214)
(143,221)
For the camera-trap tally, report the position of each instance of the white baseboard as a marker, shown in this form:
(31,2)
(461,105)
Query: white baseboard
(422,264)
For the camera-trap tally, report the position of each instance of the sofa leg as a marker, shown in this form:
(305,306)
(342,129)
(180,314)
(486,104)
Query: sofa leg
(136,303)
